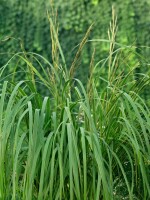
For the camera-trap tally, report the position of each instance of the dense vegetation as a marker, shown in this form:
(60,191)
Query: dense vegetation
(67,138)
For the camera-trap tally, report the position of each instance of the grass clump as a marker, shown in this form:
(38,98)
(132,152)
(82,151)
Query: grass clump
(78,142)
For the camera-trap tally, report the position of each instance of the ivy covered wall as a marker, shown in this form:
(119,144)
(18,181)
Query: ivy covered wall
(27,20)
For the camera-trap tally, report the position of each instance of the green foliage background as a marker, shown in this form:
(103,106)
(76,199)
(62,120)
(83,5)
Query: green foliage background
(28,21)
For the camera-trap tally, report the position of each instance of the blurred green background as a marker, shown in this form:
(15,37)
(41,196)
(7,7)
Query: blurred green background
(28,21)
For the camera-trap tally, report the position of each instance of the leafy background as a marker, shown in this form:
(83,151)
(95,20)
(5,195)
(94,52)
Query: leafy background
(28,21)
